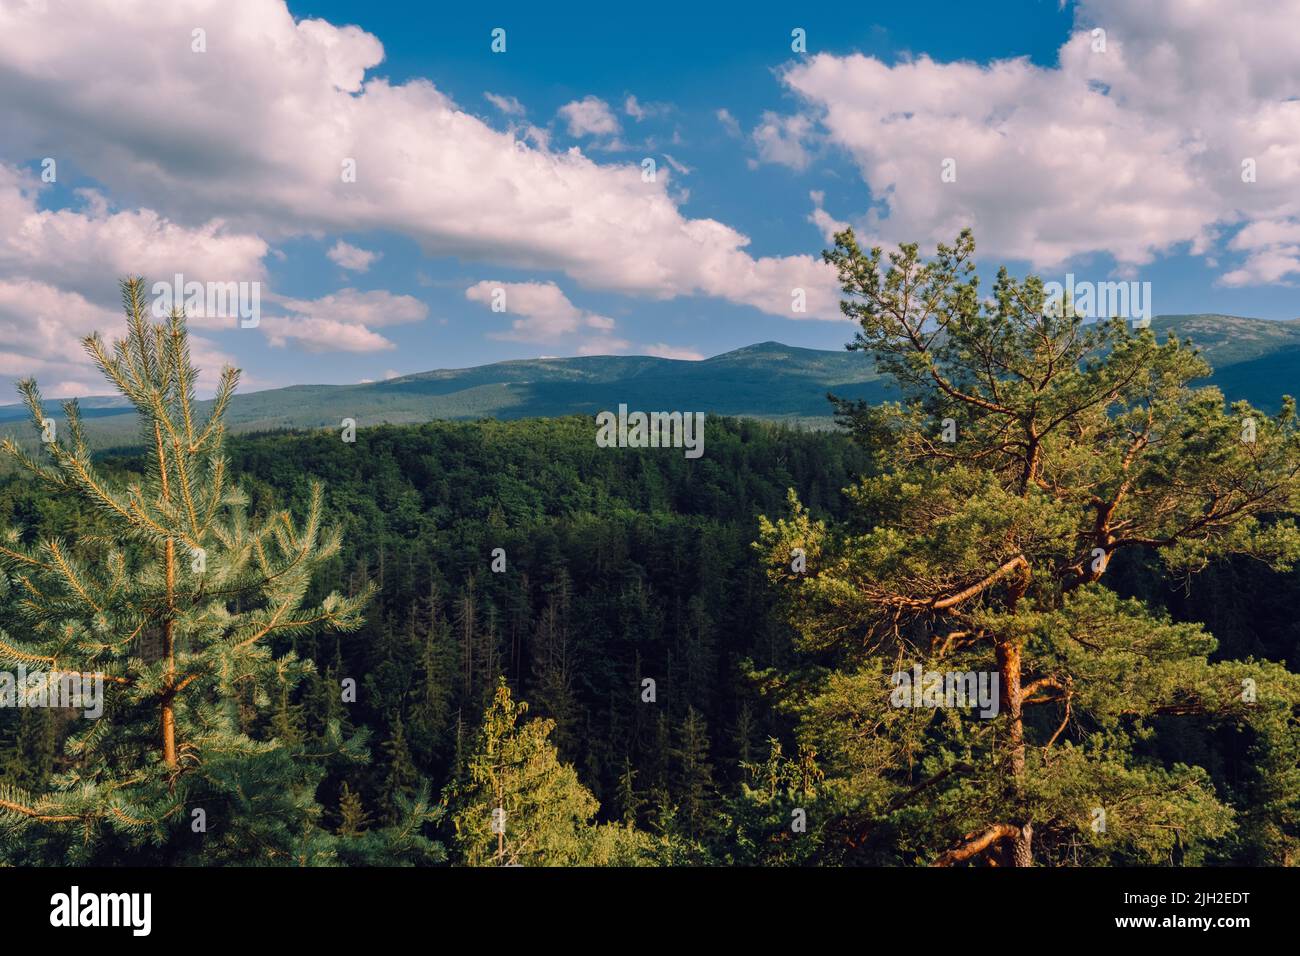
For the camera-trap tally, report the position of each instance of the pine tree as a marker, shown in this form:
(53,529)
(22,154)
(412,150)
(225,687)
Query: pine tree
(517,804)
(1031,449)
(177,598)
(780,812)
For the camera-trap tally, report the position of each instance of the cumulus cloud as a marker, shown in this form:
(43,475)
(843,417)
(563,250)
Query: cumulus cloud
(41,327)
(82,249)
(589,116)
(1131,150)
(780,139)
(349,257)
(323,335)
(1273,253)
(543,313)
(342,321)
(58,272)
(258,131)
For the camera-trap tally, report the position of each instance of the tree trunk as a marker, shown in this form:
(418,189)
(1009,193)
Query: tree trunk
(169,652)
(1008,656)
(1023,854)
(169,732)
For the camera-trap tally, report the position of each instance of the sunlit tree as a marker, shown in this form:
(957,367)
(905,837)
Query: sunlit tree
(178,599)
(1030,450)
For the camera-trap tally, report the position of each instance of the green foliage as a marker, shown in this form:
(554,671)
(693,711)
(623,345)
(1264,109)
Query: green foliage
(1030,451)
(626,564)
(516,804)
(172,594)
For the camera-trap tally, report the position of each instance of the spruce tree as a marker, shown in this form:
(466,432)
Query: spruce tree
(693,774)
(353,818)
(1031,449)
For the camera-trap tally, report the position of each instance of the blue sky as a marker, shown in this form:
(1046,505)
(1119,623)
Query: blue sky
(1118,162)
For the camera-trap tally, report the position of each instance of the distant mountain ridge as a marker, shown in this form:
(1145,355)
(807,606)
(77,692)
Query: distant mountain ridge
(1255,359)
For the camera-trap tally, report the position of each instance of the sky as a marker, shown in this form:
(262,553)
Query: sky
(406,187)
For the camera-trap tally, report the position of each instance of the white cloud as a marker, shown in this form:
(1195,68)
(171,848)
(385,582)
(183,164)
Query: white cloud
(376,308)
(589,116)
(640,111)
(677,166)
(780,139)
(85,249)
(1131,151)
(673,352)
(342,321)
(323,335)
(543,312)
(257,129)
(42,325)
(634,109)
(1273,253)
(506,104)
(58,272)
(1273,264)
(729,123)
(350,257)
(826,224)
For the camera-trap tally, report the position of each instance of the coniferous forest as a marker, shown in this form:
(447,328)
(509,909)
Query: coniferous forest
(497,643)
(762,469)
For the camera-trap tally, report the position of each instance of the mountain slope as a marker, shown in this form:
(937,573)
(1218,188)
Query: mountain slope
(1253,358)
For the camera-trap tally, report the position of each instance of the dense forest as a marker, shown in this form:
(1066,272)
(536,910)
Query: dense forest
(618,567)
(498,643)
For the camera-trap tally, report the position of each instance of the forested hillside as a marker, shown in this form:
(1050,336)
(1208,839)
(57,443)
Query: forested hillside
(1254,359)
(619,566)
(1038,611)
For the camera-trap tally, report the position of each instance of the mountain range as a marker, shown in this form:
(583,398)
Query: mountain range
(1255,359)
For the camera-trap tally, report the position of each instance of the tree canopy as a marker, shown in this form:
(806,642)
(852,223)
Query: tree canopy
(1030,450)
